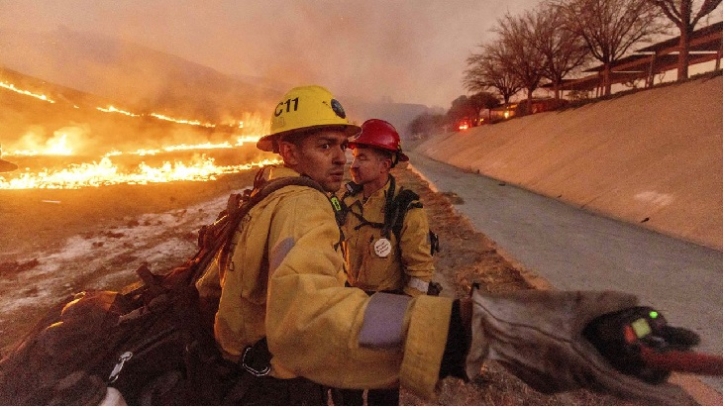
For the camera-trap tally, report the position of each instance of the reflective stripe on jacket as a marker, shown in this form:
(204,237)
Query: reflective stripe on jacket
(372,270)
(285,281)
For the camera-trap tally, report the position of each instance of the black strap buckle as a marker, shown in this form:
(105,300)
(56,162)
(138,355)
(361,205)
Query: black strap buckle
(246,358)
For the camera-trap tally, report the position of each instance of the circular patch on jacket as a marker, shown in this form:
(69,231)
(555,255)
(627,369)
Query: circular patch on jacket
(382,247)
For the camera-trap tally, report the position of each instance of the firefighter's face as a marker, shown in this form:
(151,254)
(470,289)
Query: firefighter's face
(320,156)
(368,165)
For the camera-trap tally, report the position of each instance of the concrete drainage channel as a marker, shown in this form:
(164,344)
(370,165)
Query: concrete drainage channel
(564,247)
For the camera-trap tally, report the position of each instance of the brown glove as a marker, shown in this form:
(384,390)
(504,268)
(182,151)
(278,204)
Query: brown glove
(537,335)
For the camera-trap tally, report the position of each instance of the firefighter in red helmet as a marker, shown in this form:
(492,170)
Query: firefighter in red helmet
(386,231)
(378,259)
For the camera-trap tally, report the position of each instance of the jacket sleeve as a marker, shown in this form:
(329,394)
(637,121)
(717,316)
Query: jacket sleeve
(318,329)
(415,249)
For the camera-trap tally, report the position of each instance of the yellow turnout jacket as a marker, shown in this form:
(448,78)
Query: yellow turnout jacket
(284,280)
(407,267)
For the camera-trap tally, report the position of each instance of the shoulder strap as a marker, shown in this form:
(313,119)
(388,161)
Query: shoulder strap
(214,237)
(352,188)
(405,200)
(391,210)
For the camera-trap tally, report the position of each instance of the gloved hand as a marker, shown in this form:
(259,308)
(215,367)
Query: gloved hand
(538,336)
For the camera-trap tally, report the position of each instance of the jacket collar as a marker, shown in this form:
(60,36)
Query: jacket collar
(379,195)
(280,171)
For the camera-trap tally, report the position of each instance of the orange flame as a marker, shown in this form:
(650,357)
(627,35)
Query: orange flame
(12,87)
(189,122)
(58,144)
(106,172)
(69,141)
(116,110)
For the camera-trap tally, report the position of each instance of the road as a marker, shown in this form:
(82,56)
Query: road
(574,249)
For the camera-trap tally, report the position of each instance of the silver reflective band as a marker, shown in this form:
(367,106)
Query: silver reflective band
(382,326)
(419,284)
(280,252)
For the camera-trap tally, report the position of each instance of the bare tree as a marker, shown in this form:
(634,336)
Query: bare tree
(563,50)
(610,28)
(486,72)
(462,111)
(520,56)
(483,100)
(681,13)
(426,124)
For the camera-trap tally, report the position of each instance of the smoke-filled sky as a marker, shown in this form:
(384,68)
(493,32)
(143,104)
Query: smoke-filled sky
(410,51)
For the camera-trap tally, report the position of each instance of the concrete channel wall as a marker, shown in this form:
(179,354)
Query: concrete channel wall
(652,158)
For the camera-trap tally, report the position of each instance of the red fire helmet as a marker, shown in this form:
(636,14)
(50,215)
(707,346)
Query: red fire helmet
(379,134)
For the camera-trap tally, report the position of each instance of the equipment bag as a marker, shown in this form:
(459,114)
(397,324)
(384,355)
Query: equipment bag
(147,341)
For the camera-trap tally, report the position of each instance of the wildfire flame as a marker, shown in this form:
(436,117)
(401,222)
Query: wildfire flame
(188,122)
(108,171)
(114,109)
(56,145)
(12,87)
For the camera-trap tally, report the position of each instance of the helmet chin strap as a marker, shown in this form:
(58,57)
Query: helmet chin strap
(395,159)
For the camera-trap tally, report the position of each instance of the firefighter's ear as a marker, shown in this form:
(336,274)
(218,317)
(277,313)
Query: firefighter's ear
(388,164)
(289,153)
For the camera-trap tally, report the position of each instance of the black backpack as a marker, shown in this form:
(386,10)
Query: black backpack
(148,341)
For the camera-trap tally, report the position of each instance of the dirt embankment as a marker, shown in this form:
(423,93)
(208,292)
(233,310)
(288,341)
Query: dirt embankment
(652,158)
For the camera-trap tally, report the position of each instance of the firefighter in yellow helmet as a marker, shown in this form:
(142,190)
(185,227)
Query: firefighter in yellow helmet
(290,326)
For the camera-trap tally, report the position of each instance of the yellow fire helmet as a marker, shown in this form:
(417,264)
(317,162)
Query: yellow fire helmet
(305,108)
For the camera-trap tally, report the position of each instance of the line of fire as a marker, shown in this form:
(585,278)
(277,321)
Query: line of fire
(65,139)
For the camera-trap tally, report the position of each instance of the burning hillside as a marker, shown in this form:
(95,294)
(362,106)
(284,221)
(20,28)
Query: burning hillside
(61,138)
(147,79)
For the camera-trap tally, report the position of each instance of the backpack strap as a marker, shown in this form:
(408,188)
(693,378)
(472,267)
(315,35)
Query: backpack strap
(396,207)
(261,191)
(404,201)
(218,235)
(352,189)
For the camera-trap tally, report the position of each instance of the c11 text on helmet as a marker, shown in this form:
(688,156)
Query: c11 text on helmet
(278,110)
